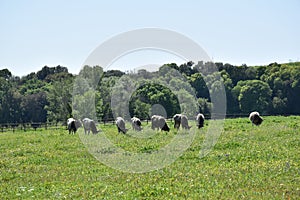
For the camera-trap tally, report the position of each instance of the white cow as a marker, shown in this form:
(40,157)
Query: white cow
(120,123)
(89,125)
(159,122)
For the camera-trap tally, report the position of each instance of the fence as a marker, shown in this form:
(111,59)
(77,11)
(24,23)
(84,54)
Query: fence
(28,126)
(4,127)
(58,125)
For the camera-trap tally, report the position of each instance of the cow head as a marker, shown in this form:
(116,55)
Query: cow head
(165,127)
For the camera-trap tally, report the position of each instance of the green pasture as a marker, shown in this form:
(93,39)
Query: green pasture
(247,162)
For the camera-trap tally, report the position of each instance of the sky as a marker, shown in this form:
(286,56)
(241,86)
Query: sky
(36,33)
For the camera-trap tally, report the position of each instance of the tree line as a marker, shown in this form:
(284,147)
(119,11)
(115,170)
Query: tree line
(53,94)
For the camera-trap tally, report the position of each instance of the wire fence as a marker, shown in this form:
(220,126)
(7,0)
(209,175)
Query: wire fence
(34,126)
(28,126)
(4,127)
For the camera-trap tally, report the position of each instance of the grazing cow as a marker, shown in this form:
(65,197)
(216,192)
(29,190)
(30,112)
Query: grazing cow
(73,125)
(200,120)
(180,119)
(159,122)
(185,122)
(136,124)
(255,118)
(177,120)
(120,122)
(89,125)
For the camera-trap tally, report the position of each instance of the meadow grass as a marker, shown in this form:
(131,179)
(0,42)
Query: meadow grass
(247,162)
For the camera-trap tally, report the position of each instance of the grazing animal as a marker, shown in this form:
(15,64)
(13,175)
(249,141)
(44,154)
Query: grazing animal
(200,120)
(120,122)
(136,124)
(180,119)
(185,122)
(159,122)
(73,125)
(255,118)
(177,120)
(89,125)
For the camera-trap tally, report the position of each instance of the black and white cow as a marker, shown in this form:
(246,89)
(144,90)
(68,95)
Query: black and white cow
(177,120)
(136,124)
(255,118)
(180,119)
(200,120)
(159,122)
(89,125)
(120,123)
(73,125)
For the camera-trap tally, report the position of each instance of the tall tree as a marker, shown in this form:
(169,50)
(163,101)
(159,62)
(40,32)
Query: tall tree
(253,95)
(5,73)
(33,107)
(59,101)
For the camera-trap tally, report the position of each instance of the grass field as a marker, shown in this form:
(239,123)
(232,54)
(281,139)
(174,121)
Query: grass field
(246,163)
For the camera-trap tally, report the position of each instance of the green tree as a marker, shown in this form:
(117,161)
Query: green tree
(46,71)
(92,75)
(154,93)
(10,98)
(116,73)
(205,106)
(33,107)
(32,86)
(140,109)
(105,90)
(279,105)
(198,83)
(284,80)
(187,69)
(59,101)
(253,95)
(5,73)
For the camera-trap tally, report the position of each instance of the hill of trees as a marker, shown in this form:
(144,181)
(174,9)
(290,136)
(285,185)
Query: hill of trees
(46,96)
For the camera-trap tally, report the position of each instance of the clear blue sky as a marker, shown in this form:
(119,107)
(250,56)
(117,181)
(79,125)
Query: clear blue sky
(35,33)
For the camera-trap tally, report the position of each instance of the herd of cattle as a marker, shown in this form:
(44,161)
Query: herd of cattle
(157,122)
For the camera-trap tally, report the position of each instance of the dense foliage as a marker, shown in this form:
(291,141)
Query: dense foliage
(48,94)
